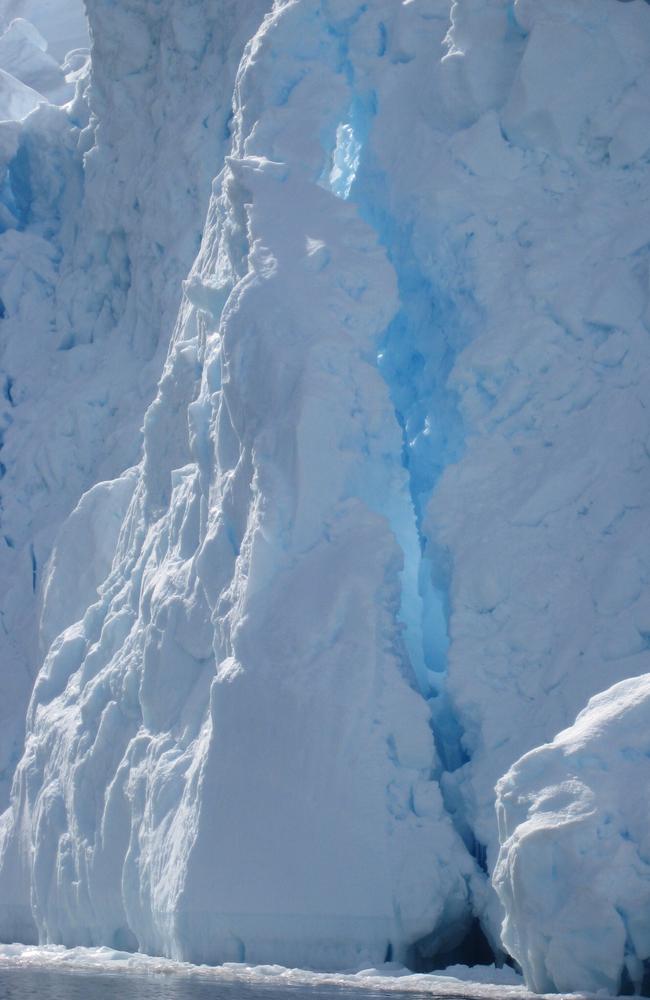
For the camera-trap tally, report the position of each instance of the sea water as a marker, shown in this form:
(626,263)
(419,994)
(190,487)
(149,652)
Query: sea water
(20,983)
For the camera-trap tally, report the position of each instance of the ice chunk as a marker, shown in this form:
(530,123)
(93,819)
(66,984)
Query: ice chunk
(62,23)
(574,867)
(17,100)
(23,54)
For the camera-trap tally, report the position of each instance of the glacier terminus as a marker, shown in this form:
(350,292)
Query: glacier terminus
(325,486)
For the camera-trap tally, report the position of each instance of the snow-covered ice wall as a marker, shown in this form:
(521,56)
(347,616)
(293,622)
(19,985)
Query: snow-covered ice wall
(545,516)
(384,538)
(91,282)
(41,188)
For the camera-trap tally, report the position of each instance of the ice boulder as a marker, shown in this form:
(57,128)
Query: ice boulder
(573,871)
(61,22)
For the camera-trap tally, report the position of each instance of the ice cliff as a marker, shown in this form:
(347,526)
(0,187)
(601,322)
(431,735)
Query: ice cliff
(378,275)
(91,270)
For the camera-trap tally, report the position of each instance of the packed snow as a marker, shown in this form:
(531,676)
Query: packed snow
(373,281)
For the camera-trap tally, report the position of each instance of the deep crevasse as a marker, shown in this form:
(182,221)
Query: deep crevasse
(525,182)
(417,351)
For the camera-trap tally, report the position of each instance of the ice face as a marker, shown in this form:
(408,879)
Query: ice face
(542,514)
(241,683)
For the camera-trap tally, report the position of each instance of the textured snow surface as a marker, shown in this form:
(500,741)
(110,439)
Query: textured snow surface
(387,533)
(544,518)
(574,867)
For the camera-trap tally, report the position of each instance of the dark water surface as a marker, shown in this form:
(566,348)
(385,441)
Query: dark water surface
(52,984)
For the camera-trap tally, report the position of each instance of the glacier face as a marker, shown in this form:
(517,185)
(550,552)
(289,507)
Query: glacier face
(41,189)
(242,680)
(375,549)
(543,514)
(99,299)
